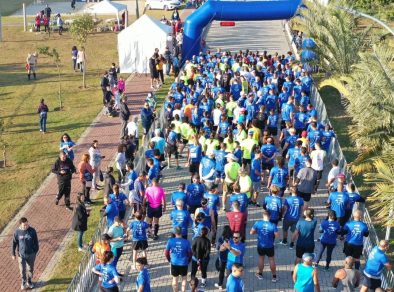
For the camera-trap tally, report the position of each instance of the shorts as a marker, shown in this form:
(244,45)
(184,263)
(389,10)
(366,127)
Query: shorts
(300,250)
(371,283)
(269,252)
(256,186)
(178,271)
(273,131)
(276,221)
(289,224)
(305,196)
(162,157)
(220,174)
(122,214)
(173,149)
(352,250)
(155,212)
(192,209)
(139,245)
(319,174)
(193,167)
(184,141)
(342,220)
(245,161)
(137,207)
(266,166)
(228,187)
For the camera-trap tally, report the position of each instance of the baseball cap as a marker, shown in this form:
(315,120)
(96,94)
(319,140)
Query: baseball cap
(308,257)
(232,157)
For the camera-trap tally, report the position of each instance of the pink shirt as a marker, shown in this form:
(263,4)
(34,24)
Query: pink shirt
(154,195)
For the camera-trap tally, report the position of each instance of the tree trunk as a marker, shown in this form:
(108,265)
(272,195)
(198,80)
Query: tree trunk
(83,74)
(60,90)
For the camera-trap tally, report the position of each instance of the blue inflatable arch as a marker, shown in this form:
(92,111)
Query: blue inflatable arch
(234,11)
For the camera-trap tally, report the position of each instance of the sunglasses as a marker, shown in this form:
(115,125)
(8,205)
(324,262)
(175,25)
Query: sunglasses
(236,237)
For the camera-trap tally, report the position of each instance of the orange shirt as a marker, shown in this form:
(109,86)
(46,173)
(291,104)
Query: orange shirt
(99,249)
(188,111)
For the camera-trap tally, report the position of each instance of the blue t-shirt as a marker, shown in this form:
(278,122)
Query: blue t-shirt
(197,227)
(279,176)
(237,259)
(150,153)
(213,201)
(330,231)
(255,166)
(294,206)
(195,153)
(293,153)
(273,121)
(339,201)
(220,158)
(242,199)
(108,274)
(119,200)
(207,165)
(265,233)
(353,198)
(269,151)
(180,251)
(111,212)
(195,193)
(291,140)
(179,195)
(132,176)
(235,284)
(69,144)
(143,278)
(160,144)
(314,137)
(153,172)
(138,229)
(306,230)
(287,110)
(273,205)
(325,140)
(223,128)
(182,219)
(375,263)
(356,230)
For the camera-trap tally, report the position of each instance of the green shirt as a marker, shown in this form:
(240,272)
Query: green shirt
(230,106)
(231,171)
(247,147)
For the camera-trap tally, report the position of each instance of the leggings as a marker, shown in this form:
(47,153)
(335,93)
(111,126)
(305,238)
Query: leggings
(330,248)
(204,267)
(221,272)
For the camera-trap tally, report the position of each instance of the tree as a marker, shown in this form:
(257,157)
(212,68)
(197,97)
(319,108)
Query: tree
(333,30)
(80,29)
(56,61)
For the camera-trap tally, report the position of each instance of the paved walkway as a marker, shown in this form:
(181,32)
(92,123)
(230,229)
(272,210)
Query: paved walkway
(53,222)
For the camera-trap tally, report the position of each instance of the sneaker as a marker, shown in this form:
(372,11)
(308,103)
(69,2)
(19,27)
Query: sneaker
(203,285)
(218,286)
(291,246)
(56,201)
(80,249)
(259,276)
(274,279)
(257,204)
(23,286)
(69,208)
(283,242)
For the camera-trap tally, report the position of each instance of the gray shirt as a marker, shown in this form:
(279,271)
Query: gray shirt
(307,177)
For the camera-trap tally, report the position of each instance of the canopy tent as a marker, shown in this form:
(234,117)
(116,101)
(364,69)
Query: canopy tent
(106,7)
(137,43)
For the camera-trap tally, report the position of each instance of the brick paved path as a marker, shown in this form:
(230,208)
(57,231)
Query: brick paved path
(53,222)
(159,267)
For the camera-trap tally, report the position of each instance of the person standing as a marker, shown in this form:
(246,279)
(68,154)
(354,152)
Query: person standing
(64,168)
(80,220)
(201,249)
(156,199)
(147,118)
(338,201)
(377,261)
(121,201)
(43,112)
(111,211)
(143,279)
(104,84)
(138,228)
(347,279)
(231,175)
(95,162)
(31,63)
(304,233)
(154,75)
(86,176)
(168,57)
(179,254)
(306,181)
(234,281)
(116,231)
(124,116)
(108,274)
(223,253)
(181,218)
(292,210)
(305,276)
(25,245)
(59,22)
(67,146)
(266,232)
(47,11)
(74,54)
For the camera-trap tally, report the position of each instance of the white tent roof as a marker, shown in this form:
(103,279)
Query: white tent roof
(137,43)
(106,7)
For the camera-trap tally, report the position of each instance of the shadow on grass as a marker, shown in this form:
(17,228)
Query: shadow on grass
(51,284)
(62,128)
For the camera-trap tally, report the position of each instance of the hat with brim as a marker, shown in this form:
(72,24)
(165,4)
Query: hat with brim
(308,257)
(232,157)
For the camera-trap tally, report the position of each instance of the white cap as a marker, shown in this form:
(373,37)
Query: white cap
(232,157)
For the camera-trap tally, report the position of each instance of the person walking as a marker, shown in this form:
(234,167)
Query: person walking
(223,253)
(67,146)
(86,176)
(142,281)
(95,162)
(25,246)
(121,201)
(155,198)
(181,218)
(59,22)
(138,228)
(74,55)
(80,220)
(347,279)
(201,249)
(179,254)
(116,231)
(43,113)
(31,63)
(304,234)
(234,281)
(147,118)
(305,276)
(306,181)
(64,168)
(124,116)
(108,274)
(266,234)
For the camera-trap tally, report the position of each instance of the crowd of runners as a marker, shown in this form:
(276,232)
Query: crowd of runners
(252,139)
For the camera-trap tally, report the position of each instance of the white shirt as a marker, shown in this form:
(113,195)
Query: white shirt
(333,175)
(217,113)
(132,129)
(318,159)
(178,112)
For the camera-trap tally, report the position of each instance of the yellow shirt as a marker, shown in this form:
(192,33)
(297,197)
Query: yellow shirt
(211,144)
(256,134)
(247,147)
(230,106)
(177,128)
(229,146)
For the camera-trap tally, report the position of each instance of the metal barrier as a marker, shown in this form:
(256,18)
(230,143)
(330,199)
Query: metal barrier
(84,279)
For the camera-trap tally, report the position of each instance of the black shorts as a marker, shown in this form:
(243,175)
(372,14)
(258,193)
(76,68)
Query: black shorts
(139,245)
(245,161)
(192,209)
(179,271)
(273,131)
(267,166)
(371,283)
(193,167)
(300,250)
(184,141)
(305,196)
(287,224)
(137,207)
(122,214)
(319,174)
(352,250)
(342,220)
(154,212)
(173,149)
(162,157)
(269,252)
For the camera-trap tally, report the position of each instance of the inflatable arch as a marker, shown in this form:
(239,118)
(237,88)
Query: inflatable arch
(231,10)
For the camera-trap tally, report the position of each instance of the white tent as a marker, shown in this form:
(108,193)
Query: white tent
(137,43)
(107,7)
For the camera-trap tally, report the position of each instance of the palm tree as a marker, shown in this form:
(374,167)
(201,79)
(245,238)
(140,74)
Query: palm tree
(335,34)
(369,100)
